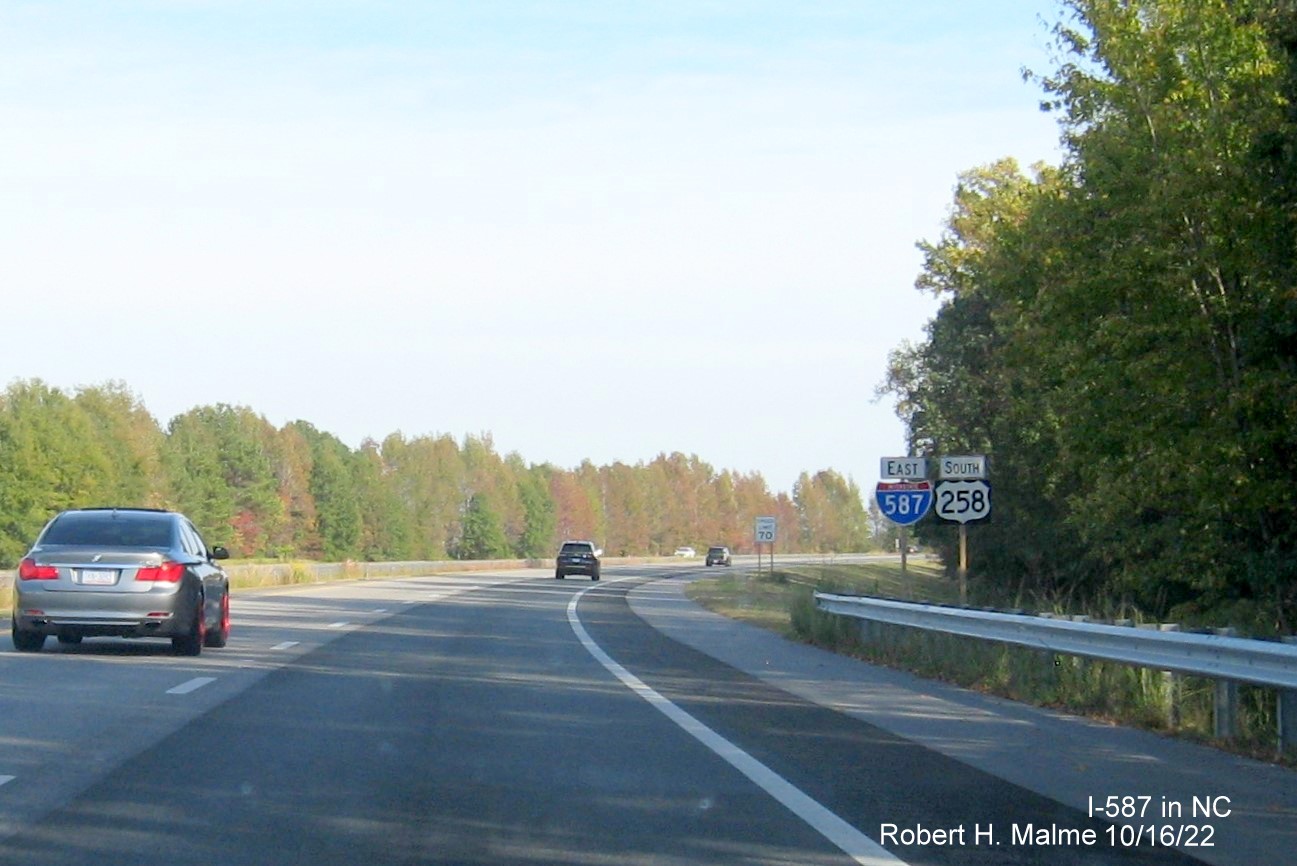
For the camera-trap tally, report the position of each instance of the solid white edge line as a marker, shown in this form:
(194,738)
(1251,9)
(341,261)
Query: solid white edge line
(191,685)
(288,644)
(5,780)
(338,624)
(851,841)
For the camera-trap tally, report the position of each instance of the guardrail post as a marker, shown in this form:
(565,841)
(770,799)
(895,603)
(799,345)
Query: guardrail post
(1226,702)
(1050,663)
(1288,717)
(1171,685)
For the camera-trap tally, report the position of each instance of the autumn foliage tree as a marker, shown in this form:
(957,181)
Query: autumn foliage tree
(298,491)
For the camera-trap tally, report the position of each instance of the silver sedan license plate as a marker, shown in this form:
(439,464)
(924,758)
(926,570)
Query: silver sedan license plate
(95,577)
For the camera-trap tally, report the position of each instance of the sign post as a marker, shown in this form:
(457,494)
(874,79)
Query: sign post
(963,497)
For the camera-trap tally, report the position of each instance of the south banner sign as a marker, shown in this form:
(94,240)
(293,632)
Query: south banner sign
(904,502)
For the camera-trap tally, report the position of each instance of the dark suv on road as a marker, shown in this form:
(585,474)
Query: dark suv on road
(577,557)
(718,556)
(121,572)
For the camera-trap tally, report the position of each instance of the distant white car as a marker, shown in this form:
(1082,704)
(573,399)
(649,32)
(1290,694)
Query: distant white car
(685,551)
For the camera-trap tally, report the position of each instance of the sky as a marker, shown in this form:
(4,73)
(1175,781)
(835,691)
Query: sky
(594,230)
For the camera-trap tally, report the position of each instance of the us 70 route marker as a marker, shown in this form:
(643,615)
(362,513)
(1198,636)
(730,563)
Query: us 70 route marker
(764,530)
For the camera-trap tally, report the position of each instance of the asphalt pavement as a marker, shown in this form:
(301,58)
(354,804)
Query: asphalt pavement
(515,719)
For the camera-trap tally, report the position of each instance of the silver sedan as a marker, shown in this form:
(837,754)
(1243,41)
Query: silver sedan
(123,572)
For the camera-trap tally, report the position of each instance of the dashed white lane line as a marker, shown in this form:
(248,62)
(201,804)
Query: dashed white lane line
(379,610)
(851,841)
(4,780)
(338,624)
(191,685)
(288,644)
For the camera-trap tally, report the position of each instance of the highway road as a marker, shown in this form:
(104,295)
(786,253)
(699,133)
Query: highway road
(511,718)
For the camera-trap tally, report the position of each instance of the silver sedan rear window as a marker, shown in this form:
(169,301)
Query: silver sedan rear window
(109,530)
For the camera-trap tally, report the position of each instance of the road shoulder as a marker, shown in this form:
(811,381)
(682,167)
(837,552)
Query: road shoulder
(1063,757)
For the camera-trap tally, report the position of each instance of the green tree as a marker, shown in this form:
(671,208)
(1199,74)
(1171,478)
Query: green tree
(979,384)
(428,475)
(223,465)
(51,458)
(830,516)
(483,533)
(537,539)
(293,463)
(333,487)
(387,526)
(131,440)
(1169,108)
(1120,334)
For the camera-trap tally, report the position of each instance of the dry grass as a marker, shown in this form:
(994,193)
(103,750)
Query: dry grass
(743,596)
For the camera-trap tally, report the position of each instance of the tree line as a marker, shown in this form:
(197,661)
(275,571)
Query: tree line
(300,492)
(1119,332)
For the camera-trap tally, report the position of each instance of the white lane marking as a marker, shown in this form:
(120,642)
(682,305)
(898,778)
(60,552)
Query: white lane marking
(337,624)
(851,841)
(380,610)
(5,780)
(191,685)
(288,644)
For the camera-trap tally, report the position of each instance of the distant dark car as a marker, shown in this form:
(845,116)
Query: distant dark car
(577,557)
(718,556)
(122,572)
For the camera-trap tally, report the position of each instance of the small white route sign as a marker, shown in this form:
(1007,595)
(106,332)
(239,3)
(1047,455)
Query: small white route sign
(904,468)
(765,530)
(964,501)
(965,466)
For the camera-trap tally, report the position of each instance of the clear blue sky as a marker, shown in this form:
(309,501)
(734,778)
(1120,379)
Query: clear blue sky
(596,230)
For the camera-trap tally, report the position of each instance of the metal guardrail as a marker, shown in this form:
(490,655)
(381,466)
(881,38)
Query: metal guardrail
(1226,659)
(1245,660)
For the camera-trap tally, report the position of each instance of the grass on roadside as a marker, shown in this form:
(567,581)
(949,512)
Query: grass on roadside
(767,599)
(922,579)
(744,596)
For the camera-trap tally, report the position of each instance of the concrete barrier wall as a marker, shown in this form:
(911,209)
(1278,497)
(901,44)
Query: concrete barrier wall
(256,574)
